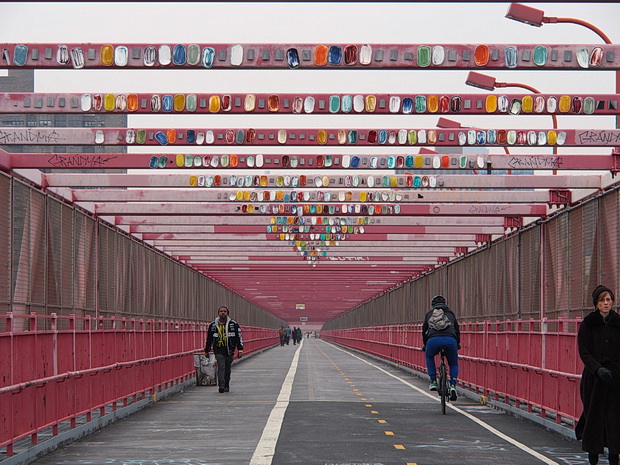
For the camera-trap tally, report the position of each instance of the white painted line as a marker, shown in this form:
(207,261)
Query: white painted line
(486,426)
(263,454)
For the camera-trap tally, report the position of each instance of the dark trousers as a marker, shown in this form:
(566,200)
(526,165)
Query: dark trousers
(224,367)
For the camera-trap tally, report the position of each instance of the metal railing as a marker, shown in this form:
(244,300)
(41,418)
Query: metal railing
(531,365)
(79,367)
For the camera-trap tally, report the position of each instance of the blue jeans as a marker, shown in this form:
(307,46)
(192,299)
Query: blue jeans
(433,346)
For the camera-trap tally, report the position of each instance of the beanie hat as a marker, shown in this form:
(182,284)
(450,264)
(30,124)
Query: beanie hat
(598,291)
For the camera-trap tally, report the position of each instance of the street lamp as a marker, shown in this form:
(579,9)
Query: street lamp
(486,82)
(535,17)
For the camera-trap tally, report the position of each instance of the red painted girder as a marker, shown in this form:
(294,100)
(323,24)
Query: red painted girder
(295,259)
(414,238)
(306,56)
(245,280)
(316,137)
(356,269)
(370,232)
(304,103)
(283,287)
(332,296)
(362,241)
(268,278)
(206,246)
(286,247)
(402,237)
(193,195)
(197,251)
(403,234)
(338,288)
(235,209)
(329,295)
(85,161)
(271,272)
(466,181)
(296,290)
(434,251)
(207,224)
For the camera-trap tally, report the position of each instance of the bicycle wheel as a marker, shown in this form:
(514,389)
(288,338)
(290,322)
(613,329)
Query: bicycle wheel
(443,386)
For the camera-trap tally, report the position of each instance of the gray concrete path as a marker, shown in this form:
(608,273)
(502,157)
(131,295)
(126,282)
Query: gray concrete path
(340,408)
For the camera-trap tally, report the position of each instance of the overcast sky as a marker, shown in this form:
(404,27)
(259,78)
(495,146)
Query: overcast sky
(279,22)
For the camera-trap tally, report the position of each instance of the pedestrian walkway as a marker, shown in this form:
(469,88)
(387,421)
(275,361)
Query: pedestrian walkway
(318,404)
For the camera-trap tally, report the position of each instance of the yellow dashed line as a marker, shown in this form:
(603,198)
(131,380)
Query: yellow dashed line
(387,433)
(411,463)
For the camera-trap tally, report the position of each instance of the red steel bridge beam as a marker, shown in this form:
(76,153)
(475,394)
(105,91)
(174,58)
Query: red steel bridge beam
(311,103)
(317,137)
(85,161)
(311,56)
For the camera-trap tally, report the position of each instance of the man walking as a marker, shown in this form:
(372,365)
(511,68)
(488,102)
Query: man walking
(225,336)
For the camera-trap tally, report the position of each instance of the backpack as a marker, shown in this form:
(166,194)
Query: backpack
(438,320)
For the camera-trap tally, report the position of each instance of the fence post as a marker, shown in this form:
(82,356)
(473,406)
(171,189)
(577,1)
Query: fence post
(54,323)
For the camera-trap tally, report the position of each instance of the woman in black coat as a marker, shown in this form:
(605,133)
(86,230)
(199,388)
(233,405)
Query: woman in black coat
(599,349)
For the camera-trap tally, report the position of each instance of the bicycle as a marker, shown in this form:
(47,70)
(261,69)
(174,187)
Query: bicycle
(443,386)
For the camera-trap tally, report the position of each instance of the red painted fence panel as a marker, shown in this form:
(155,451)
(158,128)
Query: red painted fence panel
(52,376)
(530,364)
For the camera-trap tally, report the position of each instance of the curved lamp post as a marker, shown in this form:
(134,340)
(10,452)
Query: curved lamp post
(486,82)
(535,17)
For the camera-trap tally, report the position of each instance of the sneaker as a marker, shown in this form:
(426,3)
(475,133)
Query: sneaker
(221,390)
(226,389)
(432,386)
(453,395)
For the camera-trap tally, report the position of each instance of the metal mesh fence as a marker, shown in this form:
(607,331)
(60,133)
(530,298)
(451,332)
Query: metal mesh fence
(546,270)
(5,243)
(55,258)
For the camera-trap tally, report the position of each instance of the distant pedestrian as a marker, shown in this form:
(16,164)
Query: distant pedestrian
(599,348)
(282,333)
(224,336)
(287,336)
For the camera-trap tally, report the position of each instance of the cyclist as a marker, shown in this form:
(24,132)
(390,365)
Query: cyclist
(441,329)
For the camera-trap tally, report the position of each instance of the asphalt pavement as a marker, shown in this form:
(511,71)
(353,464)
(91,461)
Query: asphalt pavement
(318,404)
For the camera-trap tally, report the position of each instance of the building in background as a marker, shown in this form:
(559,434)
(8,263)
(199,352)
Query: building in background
(23,81)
